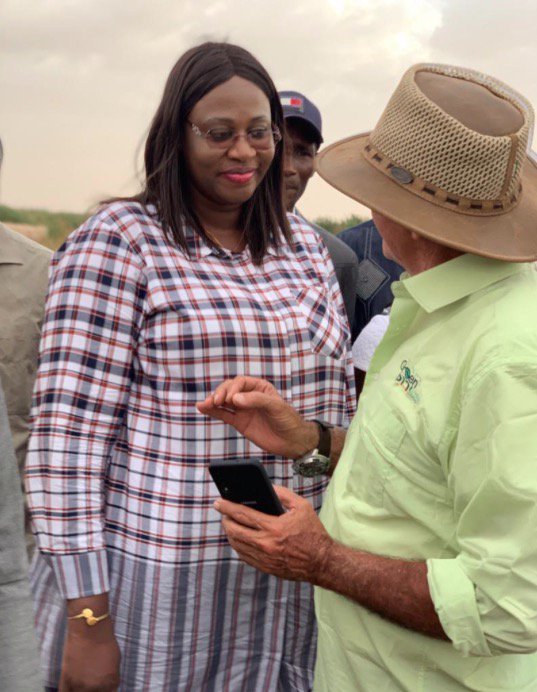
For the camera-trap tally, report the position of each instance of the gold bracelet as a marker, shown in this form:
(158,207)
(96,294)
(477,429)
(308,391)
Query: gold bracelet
(89,617)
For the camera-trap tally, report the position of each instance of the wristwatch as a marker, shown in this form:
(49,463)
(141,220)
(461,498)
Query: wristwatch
(317,462)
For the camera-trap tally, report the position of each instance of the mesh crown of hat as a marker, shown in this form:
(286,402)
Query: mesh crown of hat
(416,134)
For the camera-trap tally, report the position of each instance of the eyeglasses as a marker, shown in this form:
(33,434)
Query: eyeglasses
(222,137)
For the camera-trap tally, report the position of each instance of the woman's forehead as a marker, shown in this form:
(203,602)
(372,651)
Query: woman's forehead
(236,99)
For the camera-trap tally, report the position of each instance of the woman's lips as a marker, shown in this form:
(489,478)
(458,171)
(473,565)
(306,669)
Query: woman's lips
(239,177)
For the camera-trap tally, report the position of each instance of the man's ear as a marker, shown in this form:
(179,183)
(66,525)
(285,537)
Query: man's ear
(414,235)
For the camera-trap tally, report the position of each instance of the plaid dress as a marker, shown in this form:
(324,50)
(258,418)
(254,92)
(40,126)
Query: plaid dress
(136,332)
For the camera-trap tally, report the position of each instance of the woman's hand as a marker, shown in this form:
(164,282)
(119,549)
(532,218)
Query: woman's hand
(254,408)
(91,655)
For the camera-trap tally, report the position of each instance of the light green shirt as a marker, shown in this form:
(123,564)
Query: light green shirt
(440,464)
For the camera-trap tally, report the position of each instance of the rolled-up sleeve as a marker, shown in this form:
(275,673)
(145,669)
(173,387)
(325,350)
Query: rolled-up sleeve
(486,597)
(92,319)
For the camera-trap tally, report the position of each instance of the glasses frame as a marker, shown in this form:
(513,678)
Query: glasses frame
(276,136)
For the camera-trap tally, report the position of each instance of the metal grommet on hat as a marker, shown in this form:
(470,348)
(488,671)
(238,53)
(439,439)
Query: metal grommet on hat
(401,175)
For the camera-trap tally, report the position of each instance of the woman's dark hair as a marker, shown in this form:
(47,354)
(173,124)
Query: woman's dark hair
(198,71)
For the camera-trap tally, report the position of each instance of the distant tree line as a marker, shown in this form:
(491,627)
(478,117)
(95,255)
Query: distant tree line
(60,224)
(335,226)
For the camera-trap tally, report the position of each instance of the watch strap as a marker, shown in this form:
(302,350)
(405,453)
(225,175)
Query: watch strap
(325,438)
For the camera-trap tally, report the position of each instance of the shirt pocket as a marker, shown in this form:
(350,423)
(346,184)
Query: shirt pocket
(382,433)
(320,321)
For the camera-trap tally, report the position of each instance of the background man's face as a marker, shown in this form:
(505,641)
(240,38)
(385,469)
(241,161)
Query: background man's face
(299,156)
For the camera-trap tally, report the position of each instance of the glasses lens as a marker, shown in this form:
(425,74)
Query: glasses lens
(220,136)
(258,137)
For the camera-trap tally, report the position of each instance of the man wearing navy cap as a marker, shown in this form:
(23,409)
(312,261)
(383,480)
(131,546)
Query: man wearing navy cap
(303,130)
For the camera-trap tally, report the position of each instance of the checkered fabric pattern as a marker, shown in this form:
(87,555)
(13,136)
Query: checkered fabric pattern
(135,334)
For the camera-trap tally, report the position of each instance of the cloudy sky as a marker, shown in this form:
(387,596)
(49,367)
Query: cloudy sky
(80,79)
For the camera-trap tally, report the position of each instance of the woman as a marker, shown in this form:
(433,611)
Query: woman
(153,302)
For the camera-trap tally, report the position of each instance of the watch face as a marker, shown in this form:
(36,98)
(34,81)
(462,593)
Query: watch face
(313,465)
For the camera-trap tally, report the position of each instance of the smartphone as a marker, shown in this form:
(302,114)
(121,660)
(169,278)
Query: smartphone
(247,483)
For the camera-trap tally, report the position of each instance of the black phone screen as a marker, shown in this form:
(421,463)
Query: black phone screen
(247,483)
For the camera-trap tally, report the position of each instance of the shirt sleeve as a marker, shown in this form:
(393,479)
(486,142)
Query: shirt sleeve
(486,597)
(92,318)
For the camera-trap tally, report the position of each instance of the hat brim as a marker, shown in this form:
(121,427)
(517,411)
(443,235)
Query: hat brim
(511,236)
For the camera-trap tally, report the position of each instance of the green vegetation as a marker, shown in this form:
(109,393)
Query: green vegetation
(336,226)
(61,223)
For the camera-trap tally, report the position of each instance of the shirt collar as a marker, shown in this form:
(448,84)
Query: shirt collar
(453,280)
(199,248)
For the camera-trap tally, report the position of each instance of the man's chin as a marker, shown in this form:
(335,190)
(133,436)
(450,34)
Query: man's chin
(290,201)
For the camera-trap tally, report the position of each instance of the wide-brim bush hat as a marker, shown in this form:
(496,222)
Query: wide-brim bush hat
(447,159)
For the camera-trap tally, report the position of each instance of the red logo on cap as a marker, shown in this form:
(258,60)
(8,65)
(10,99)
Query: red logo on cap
(293,102)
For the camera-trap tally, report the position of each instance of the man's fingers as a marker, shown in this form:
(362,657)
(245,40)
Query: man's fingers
(216,412)
(244,383)
(239,384)
(246,516)
(239,532)
(206,404)
(221,392)
(257,400)
(249,555)
(288,498)
(251,384)
(225,391)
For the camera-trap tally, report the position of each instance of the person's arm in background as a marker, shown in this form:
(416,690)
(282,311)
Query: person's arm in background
(93,313)
(23,286)
(363,349)
(19,659)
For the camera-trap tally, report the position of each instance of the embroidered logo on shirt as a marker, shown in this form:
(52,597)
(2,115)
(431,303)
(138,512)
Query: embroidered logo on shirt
(408,381)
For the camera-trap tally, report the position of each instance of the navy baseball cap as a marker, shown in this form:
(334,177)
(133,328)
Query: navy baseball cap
(296,105)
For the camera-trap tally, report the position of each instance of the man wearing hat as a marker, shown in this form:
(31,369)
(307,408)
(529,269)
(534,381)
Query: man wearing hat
(424,557)
(303,137)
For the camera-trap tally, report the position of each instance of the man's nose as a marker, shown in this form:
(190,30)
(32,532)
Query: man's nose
(289,167)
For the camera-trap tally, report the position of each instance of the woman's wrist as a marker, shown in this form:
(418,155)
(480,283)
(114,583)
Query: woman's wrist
(97,626)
